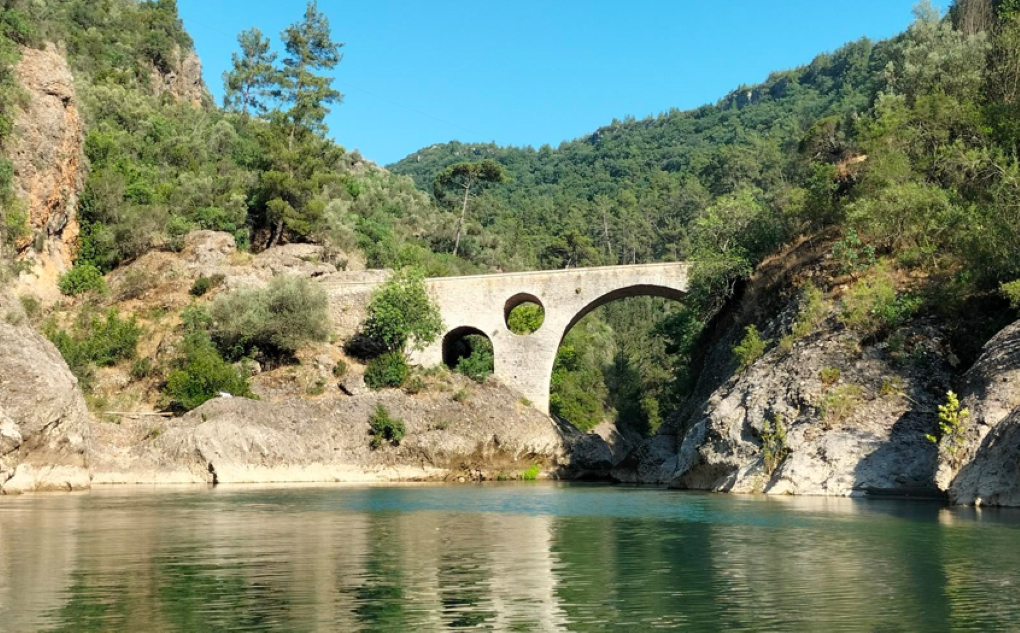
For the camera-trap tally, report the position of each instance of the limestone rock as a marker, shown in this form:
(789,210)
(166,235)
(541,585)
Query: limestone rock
(184,80)
(992,477)
(44,423)
(234,440)
(47,151)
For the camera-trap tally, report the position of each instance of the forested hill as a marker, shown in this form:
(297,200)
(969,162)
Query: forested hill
(629,191)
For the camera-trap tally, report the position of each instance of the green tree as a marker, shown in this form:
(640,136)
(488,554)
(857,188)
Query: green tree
(310,52)
(465,179)
(401,312)
(253,79)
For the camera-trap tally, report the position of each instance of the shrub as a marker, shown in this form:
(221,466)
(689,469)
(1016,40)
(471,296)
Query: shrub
(81,279)
(440,425)
(1011,291)
(143,368)
(133,285)
(388,370)
(531,474)
(829,376)
(480,363)
(840,403)
(873,305)
(340,370)
(204,284)
(953,423)
(751,348)
(773,443)
(461,396)
(414,385)
(277,320)
(95,340)
(526,318)
(852,254)
(200,374)
(30,304)
(402,312)
(892,386)
(384,428)
(813,310)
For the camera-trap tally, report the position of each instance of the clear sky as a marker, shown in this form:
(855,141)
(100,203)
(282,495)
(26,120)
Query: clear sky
(531,72)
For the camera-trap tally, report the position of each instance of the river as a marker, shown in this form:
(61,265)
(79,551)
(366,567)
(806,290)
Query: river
(507,557)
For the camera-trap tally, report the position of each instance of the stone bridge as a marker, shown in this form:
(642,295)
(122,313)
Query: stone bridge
(481,304)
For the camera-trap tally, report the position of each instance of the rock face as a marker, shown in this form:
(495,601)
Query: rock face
(990,457)
(234,440)
(44,423)
(184,81)
(49,161)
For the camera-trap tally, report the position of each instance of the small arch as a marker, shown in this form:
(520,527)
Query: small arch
(457,344)
(518,302)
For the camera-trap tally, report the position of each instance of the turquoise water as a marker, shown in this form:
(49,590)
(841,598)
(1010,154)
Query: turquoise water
(514,557)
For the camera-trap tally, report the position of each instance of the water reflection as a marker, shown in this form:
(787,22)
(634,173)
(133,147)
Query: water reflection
(516,557)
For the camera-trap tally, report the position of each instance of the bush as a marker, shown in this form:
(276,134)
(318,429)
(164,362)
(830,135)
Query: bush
(829,376)
(414,385)
(200,374)
(531,474)
(402,312)
(388,370)
(384,428)
(840,403)
(204,284)
(1011,291)
(813,310)
(953,423)
(340,370)
(873,306)
(81,279)
(751,348)
(773,443)
(95,340)
(277,320)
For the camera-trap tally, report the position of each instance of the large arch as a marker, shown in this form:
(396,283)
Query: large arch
(480,304)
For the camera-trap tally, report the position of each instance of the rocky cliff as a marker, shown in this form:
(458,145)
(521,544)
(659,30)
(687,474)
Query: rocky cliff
(49,164)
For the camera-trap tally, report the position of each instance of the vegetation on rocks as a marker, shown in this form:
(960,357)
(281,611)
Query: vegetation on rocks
(95,340)
(952,428)
(200,374)
(402,313)
(384,428)
(387,371)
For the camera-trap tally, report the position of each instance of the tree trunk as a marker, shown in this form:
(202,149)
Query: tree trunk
(277,233)
(463,214)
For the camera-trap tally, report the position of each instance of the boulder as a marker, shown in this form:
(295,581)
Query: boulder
(44,423)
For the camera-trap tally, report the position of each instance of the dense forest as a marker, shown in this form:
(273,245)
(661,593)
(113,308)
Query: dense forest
(904,150)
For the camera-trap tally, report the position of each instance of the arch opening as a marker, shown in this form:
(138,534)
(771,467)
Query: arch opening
(523,314)
(469,351)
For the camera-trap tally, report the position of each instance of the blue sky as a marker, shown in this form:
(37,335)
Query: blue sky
(533,72)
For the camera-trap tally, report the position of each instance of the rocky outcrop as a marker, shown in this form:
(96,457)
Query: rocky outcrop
(49,163)
(44,423)
(184,79)
(233,440)
(990,456)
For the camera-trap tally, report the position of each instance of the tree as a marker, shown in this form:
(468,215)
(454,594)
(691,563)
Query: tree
(467,178)
(310,48)
(401,312)
(250,83)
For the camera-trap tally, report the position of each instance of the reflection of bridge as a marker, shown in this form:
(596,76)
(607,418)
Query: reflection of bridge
(480,305)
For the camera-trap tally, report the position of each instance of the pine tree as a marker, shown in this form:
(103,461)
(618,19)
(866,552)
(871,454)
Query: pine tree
(254,79)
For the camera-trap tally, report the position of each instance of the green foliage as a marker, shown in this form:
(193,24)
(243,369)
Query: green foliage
(952,428)
(463,179)
(143,368)
(390,370)
(531,473)
(526,318)
(200,374)
(813,310)
(95,340)
(81,279)
(751,347)
(277,320)
(384,428)
(840,403)
(773,443)
(829,376)
(340,369)
(480,363)
(874,306)
(461,396)
(204,284)
(1011,291)
(852,254)
(402,313)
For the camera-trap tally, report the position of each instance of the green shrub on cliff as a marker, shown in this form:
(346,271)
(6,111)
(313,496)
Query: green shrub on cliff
(385,428)
(200,374)
(387,371)
(751,348)
(480,363)
(401,312)
(95,340)
(276,320)
(81,279)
